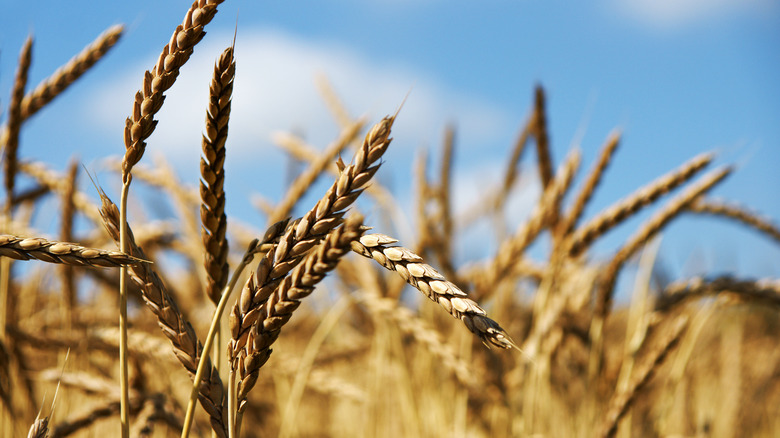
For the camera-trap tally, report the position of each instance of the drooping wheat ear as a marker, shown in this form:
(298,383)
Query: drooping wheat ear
(38,248)
(512,249)
(278,309)
(649,229)
(148,101)
(55,84)
(619,211)
(304,234)
(622,401)
(212,191)
(766,291)
(737,212)
(589,187)
(539,131)
(39,428)
(305,180)
(422,276)
(179,331)
(14,124)
(90,415)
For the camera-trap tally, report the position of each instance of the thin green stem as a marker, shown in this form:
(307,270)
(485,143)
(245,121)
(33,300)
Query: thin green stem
(124,405)
(213,329)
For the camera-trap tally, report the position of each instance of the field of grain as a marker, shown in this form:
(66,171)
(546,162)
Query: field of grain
(314,321)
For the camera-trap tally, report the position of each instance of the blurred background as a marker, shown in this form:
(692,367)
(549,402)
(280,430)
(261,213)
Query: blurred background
(678,78)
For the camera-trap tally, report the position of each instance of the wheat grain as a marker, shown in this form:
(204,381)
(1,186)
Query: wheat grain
(765,291)
(539,131)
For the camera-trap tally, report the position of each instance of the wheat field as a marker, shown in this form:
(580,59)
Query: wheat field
(313,322)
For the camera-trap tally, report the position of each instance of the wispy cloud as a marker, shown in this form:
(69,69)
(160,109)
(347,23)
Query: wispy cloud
(678,13)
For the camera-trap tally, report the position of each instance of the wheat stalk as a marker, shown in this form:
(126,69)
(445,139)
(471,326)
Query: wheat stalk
(187,347)
(422,276)
(623,400)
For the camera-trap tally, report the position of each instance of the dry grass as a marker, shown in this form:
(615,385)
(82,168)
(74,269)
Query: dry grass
(357,354)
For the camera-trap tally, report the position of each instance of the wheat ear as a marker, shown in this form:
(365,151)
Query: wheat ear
(422,276)
(621,210)
(592,181)
(306,233)
(55,84)
(647,231)
(38,248)
(14,123)
(277,310)
(186,346)
(39,428)
(738,213)
(539,130)
(766,291)
(148,101)
(212,192)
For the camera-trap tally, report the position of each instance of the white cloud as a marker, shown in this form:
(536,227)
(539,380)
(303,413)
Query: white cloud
(678,13)
(275,90)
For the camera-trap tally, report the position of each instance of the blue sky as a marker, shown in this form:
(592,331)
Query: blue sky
(677,77)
